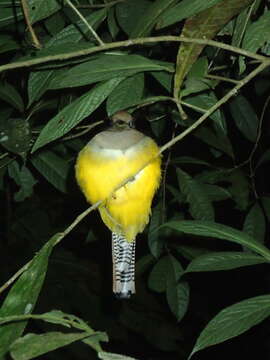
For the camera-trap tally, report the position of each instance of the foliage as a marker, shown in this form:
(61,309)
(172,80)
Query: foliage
(195,75)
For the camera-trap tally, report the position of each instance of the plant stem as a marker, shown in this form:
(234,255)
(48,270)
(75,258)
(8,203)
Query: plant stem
(127,43)
(36,42)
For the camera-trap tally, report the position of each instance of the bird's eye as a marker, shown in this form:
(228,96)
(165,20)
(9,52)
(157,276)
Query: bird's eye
(120,122)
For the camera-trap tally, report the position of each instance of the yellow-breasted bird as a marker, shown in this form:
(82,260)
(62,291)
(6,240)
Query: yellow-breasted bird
(119,156)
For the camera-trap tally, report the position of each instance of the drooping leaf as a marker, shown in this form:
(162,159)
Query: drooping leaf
(52,167)
(216,261)
(9,94)
(200,205)
(245,117)
(233,321)
(257,33)
(129,92)
(40,9)
(183,10)
(32,345)
(129,13)
(23,295)
(105,67)
(178,298)
(151,16)
(254,224)
(39,81)
(23,178)
(204,25)
(72,114)
(219,231)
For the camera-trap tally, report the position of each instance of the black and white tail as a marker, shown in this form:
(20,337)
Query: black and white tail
(123,257)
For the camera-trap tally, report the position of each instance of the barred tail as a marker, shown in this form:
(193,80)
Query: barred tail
(123,256)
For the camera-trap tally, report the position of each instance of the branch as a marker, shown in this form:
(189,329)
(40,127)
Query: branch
(36,42)
(131,42)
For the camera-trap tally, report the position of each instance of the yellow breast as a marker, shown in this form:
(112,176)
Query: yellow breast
(99,171)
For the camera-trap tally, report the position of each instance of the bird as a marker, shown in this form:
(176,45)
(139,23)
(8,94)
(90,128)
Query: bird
(121,167)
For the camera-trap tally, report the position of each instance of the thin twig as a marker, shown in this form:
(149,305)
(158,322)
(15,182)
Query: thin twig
(222,78)
(127,43)
(36,42)
(85,22)
(86,130)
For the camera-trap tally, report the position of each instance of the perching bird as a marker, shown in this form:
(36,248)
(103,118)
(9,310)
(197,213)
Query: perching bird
(121,167)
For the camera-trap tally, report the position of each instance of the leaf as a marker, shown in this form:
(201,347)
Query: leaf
(216,261)
(129,92)
(112,23)
(245,117)
(178,298)
(53,168)
(164,78)
(33,345)
(111,356)
(9,14)
(216,193)
(183,10)
(40,9)
(7,43)
(254,224)
(205,101)
(190,160)
(155,241)
(128,13)
(23,295)
(72,114)
(204,25)
(39,81)
(152,14)
(105,67)
(233,321)
(219,231)
(257,33)
(23,178)
(200,206)
(264,158)
(266,206)
(166,269)
(9,94)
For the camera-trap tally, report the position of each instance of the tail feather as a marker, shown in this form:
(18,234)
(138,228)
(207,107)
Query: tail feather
(123,255)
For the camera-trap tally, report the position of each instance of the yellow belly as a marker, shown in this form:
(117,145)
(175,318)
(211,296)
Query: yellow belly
(127,209)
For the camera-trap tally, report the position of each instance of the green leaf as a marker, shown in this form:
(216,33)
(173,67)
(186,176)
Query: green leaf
(233,321)
(39,81)
(254,224)
(178,298)
(219,231)
(8,15)
(53,168)
(40,9)
(183,10)
(190,160)
(23,295)
(151,16)
(164,78)
(245,117)
(257,33)
(216,261)
(264,158)
(129,92)
(33,345)
(155,241)
(200,205)
(166,269)
(105,67)
(8,43)
(216,193)
(112,23)
(205,101)
(266,205)
(9,94)
(204,25)
(23,178)
(72,114)
(128,13)
(110,356)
